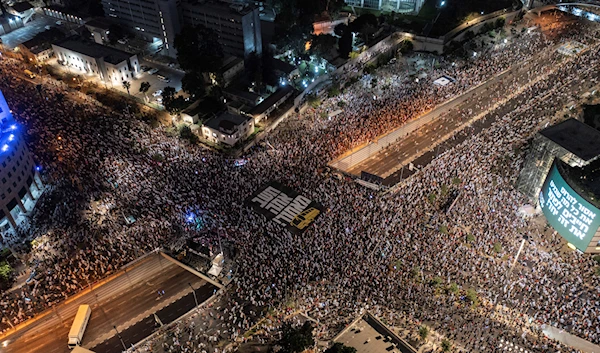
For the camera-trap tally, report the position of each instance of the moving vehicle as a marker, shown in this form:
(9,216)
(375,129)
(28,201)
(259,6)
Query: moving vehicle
(145,68)
(79,325)
(303,219)
(47,27)
(122,41)
(58,23)
(29,74)
(163,78)
(153,71)
(157,93)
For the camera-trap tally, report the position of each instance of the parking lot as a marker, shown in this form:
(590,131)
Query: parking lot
(174,77)
(23,34)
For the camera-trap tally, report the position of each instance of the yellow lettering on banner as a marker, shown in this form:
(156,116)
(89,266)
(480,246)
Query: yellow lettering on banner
(294,208)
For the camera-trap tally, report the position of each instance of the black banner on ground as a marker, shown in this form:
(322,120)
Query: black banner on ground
(285,206)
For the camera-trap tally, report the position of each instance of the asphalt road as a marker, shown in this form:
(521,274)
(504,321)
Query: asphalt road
(424,140)
(28,31)
(124,301)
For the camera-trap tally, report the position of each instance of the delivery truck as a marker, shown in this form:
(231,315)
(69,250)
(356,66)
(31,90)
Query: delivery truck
(79,324)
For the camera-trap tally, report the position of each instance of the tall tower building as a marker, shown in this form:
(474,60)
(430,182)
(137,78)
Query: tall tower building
(20,183)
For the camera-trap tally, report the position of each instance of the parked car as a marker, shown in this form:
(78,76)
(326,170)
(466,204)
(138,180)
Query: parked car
(47,27)
(122,41)
(171,64)
(163,78)
(153,71)
(145,68)
(58,23)
(157,93)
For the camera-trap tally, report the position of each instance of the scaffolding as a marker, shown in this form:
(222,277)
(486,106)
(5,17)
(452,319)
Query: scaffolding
(537,165)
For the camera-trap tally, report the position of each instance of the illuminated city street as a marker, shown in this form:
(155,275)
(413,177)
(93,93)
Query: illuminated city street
(431,184)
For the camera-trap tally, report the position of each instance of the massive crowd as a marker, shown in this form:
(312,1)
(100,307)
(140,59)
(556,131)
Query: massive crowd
(367,251)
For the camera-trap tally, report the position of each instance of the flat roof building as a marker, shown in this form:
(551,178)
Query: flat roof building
(228,128)
(237,25)
(109,64)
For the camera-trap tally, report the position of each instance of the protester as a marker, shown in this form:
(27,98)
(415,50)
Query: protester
(379,253)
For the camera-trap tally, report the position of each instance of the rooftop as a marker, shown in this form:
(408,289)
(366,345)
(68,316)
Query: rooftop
(576,137)
(230,62)
(43,40)
(226,122)
(220,7)
(22,6)
(93,49)
(272,99)
(98,23)
(368,335)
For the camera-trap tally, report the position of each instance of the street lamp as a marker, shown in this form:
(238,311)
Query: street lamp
(120,338)
(194,293)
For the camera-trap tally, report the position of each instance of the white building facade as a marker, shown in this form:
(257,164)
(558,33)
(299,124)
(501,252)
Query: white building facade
(110,65)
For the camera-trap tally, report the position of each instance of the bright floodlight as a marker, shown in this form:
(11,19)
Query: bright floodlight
(11,137)
(442,3)
(4,148)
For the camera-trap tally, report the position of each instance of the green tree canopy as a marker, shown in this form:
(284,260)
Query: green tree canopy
(193,83)
(322,44)
(198,49)
(340,348)
(296,340)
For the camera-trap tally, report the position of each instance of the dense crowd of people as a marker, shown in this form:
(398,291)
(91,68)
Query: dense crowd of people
(368,251)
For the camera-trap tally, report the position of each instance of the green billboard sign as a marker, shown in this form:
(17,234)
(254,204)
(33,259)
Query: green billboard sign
(574,218)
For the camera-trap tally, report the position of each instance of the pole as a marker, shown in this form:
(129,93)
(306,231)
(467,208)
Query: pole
(120,338)
(194,292)
(517,256)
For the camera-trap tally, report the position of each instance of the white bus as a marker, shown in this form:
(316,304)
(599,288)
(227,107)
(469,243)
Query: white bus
(79,324)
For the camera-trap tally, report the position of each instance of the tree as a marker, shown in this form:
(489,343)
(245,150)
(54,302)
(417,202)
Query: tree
(500,22)
(193,84)
(198,49)
(321,45)
(345,45)
(423,332)
(295,340)
(168,95)
(406,46)
(6,271)
(127,85)
(144,87)
(340,348)
(115,32)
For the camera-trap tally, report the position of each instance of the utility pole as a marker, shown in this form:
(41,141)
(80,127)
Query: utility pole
(120,338)
(194,292)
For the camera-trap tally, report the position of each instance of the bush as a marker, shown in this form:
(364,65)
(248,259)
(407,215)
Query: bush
(497,247)
(423,332)
(446,345)
(436,281)
(157,157)
(470,238)
(453,288)
(596,258)
(472,296)
(444,229)
(341,104)
(186,133)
